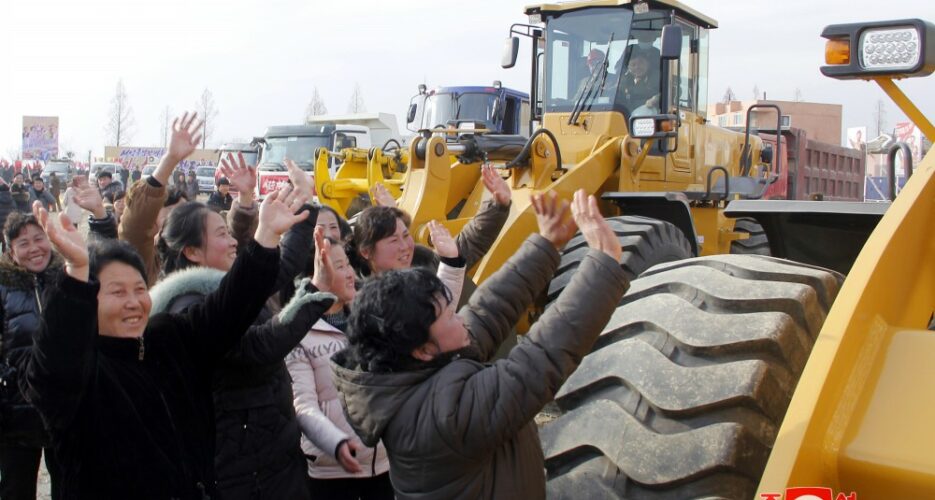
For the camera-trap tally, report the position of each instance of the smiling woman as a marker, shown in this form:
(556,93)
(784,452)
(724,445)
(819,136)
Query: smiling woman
(26,269)
(127,398)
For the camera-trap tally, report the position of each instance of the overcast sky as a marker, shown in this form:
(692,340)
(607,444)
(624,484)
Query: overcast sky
(261,59)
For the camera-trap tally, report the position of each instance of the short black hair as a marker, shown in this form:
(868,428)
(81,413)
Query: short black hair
(105,173)
(391,317)
(37,177)
(223,182)
(15,223)
(373,225)
(107,251)
(184,227)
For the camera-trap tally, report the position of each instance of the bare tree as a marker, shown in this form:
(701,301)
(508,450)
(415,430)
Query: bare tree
(879,117)
(729,96)
(164,124)
(356,103)
(797,95)
(208,112)
(120,122)
(316,106)
(756,92)
(14,153)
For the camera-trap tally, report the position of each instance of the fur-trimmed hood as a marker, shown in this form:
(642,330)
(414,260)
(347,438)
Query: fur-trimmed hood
(12,275)
(191,281)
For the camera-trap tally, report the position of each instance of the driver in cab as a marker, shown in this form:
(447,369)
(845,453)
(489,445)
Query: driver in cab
(640,85)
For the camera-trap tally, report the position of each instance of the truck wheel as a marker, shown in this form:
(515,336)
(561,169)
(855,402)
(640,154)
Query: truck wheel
(685,390)
(756,244)
(645,242)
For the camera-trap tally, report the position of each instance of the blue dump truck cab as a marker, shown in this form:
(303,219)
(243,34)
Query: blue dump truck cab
(502,110)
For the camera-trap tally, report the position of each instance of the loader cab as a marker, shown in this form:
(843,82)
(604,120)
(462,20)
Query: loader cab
(610,59)
(501,110)
(603,65)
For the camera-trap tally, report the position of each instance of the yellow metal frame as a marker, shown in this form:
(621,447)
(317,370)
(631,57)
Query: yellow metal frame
(862,418)
(361,170)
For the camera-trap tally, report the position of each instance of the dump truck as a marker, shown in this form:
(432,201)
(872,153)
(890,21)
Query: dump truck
(686,392)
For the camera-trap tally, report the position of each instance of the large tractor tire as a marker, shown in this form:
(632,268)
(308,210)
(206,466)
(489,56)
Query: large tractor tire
(756,244)
(645,242)
(685,390)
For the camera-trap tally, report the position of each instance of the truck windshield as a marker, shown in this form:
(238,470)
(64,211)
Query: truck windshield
(249,157)
(444,107)
(298,149)
(604,59)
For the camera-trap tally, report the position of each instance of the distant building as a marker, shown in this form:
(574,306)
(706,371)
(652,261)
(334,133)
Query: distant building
(822,122)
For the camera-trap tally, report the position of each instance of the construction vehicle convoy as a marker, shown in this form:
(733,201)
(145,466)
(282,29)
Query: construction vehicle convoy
(686,392)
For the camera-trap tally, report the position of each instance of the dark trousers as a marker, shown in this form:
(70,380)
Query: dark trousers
(364,488)
(19,471)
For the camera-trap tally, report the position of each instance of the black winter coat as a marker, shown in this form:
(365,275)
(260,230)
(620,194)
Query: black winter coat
(21,299)
(258,437)
(133,417)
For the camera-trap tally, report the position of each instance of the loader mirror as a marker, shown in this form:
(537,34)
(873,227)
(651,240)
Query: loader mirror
(671,42)
(510,52)
(411,114)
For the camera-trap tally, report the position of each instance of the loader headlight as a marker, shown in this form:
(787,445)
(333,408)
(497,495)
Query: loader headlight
(896,49)
(893,49)
(643,127)
(654,126)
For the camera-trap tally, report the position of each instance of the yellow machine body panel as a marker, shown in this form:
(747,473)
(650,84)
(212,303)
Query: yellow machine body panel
(861,419)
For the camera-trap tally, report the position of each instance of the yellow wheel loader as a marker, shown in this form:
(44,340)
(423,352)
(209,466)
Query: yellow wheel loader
(686,392)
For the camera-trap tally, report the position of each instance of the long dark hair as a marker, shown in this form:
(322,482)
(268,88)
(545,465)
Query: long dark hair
(184,227)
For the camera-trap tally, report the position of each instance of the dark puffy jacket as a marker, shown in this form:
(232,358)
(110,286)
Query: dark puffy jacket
(21,298)
(258,453)
(465,430)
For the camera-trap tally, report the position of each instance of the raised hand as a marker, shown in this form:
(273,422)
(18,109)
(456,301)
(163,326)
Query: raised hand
(186,134)
(442,241)
(241,176)
(89,198)
(278,214)
(66,240)
(346,452)
(300,180)
(555,223)
(381,196)
(496,185)
(593,227)
(324,272)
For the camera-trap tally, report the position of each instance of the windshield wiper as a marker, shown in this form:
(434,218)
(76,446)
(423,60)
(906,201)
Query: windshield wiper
(589,86)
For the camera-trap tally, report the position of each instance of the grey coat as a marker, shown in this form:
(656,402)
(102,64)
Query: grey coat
(466,430)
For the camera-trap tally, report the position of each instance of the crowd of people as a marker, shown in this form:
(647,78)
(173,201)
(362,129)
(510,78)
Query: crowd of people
(270,350)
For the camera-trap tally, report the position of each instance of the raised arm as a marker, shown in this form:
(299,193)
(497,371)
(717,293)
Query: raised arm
(495,403)
(478,235)
(146,199)
(226,313)
(271,341)
(64,351)
(242,217)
